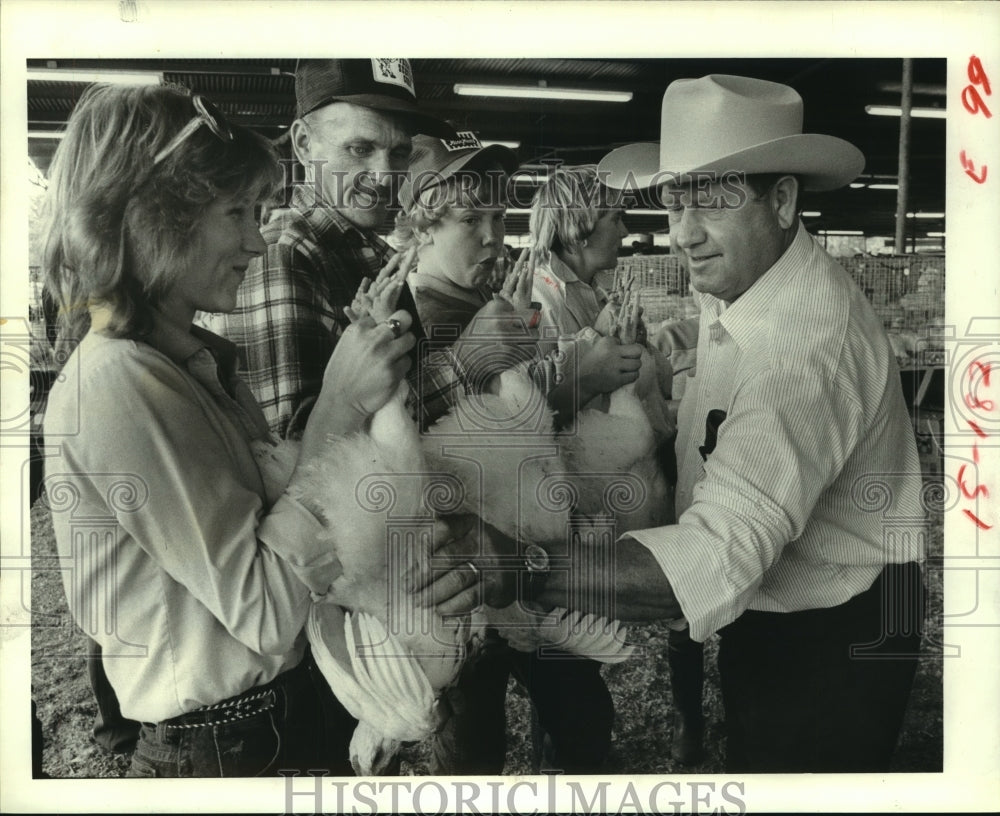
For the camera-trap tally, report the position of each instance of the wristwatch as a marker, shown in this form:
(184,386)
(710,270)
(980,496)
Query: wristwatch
(536,562)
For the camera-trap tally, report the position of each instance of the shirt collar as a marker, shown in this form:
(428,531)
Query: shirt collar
(743,318)
(180,346)
(326,219)
(561,270)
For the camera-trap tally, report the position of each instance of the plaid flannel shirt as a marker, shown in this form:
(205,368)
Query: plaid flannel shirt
(290,313)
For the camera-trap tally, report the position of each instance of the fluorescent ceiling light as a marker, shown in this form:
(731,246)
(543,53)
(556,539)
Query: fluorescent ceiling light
(114,77)
(935,235)
(841,232)
(883,186)
(489,142)
(645,212)
(857,185)
(924,215)
(516,211)
(46,134)
(811,214)
(541,92)
(895,110)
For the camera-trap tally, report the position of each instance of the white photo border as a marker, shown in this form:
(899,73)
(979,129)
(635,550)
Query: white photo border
(249,28)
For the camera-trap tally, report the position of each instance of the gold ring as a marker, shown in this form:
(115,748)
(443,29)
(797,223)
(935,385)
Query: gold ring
(395,326)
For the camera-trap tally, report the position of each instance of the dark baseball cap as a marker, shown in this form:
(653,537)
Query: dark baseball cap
(433,161)
(380,83)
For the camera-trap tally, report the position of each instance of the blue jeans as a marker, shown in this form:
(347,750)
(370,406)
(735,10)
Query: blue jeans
(292,723)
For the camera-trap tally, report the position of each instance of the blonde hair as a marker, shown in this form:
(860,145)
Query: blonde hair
(119,227)
(565,209)
(470,188)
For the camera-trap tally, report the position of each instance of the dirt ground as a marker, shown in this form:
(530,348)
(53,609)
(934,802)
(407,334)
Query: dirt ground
(640,687)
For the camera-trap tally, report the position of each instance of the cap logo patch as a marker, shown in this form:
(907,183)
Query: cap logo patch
(393,71)
(465,140)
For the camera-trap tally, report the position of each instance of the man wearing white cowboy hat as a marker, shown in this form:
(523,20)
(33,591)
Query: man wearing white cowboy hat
(352,134)
(799,526)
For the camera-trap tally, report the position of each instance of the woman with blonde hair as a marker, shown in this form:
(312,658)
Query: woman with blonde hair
(195,586)
(576,232)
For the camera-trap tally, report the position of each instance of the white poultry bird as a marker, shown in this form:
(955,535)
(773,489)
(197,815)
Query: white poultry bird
(386,660)
(503,449)
(612,455)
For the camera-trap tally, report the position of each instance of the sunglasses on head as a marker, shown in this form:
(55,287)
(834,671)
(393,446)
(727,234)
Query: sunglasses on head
(205,114)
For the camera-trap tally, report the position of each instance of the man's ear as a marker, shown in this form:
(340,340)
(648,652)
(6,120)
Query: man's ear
(785,200)
(301,141)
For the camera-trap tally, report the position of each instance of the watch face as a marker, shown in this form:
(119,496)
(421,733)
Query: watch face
(535,558)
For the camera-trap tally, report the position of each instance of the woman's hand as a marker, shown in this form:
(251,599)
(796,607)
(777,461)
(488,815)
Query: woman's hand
(364,371)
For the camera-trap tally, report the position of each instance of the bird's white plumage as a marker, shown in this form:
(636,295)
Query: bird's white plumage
(390,677)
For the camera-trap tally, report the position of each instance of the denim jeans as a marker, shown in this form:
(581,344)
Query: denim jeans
(292,723)
(572,717)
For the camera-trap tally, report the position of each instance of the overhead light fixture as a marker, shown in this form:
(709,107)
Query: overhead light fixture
(935,235)
(883,186)
(857,185)
(811,214)
(895,110)
(541,91)
(841,232)
(491,142)
(46,134)
(113,77)
(924,215)
(645,212)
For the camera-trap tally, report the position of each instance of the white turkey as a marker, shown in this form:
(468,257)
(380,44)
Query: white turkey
(387,660)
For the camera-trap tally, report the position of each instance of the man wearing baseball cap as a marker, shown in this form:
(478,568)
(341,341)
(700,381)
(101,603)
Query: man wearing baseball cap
(352,134)
(799,530)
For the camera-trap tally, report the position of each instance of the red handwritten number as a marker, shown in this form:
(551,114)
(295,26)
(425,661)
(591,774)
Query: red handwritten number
(972,100)
(982,525)
(970,169)
(978,490)
(982,367)
(975,402)
(979,431)
(977,76)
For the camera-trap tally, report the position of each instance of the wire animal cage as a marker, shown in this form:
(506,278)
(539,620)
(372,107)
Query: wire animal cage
(663,285)
(906,292)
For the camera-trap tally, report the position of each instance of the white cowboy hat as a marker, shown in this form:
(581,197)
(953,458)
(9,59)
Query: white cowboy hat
(722,123)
